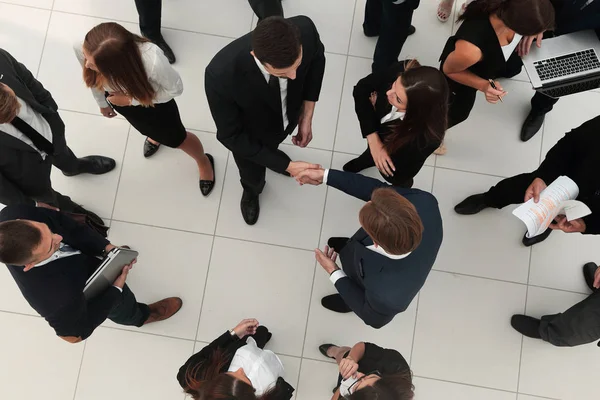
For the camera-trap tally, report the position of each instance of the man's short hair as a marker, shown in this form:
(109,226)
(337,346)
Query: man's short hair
(18,239)
(9,105)
(276,41)
(392,222)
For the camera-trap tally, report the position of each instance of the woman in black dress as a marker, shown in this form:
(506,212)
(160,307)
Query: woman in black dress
(402,113)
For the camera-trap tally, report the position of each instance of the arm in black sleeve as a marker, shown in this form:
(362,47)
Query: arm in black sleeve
(358,300)
(592,221)
(83,237)
(358,185)
(11,194)
(316,71)
(231,133)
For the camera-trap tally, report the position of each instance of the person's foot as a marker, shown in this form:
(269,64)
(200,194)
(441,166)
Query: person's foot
(250,207)
(526,326)
(150,148)
(471,205)
(440,151)
(589,273)
(80,210)
(533,123)
(444,10)
(328,350)
(95,165)
(335,303)
(337,243)
(166,49)
(207,185)
(163,309)
(527,242)
(411,30)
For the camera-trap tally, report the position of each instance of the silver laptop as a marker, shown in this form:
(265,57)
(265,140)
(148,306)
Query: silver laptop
(565,64)
(108,271)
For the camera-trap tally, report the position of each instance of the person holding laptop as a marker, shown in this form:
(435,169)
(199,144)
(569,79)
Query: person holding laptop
(50,257)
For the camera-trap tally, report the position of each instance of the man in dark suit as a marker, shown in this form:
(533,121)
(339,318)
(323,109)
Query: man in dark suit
(150,12)
(571,16)
(50,257)
(259,88)
(32,139)
(386,262)
(576,156)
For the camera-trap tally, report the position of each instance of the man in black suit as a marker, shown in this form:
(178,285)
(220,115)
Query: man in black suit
(50,257)
(576,156)
(32,139)
(386,262)
(259,88)
(571,16)
(150,12)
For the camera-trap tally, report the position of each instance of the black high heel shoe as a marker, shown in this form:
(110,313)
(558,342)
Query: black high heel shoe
(207,186)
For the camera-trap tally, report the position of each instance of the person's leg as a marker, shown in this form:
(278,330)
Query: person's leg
(128,311)
(444,10)
(192,146)
(508,191)
(150,12)
(266,8)
(372,21)
(462,100)
(252,175)
(540,106)
(364,161)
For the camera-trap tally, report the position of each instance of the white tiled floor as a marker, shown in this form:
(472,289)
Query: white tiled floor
(456,333)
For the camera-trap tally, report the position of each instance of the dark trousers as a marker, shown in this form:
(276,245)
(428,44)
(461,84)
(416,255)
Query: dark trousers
(266,8)
(542,104)
(391,22)
(129,311)
(580,324)
(366,161)
(150,12)
(509,191)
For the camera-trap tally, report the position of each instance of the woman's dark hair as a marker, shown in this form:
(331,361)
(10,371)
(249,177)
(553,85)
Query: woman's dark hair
(525,17)
(118,58)
(390,387)
(206,370)
(276,41)
(225,386)
(18,239)
(426,115)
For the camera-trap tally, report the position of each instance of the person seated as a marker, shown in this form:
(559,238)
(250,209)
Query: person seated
(235,366)
(575,156)
(368,371)
(402,113)
(578,325)
(386,262)
(50,257)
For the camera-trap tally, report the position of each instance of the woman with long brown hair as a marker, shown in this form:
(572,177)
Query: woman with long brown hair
(402,114)
(130,75)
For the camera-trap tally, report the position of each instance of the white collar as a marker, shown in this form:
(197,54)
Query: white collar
(381,251)
(261,66)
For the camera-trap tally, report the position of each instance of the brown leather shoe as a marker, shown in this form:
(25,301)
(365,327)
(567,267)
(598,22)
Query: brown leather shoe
(164,309)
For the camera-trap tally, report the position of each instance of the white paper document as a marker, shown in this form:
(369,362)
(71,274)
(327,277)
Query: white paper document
(557,199)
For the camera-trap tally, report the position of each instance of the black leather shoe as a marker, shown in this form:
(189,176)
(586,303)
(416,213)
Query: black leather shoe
(150,148)
(526,326)
(536,239)
(471,205)
(95,165)
(335,303)
(250,207)
(166,49)
(411,30)
(207,186)
(324,347)
(337,243)
(533,123)
(80,210)
(589,271)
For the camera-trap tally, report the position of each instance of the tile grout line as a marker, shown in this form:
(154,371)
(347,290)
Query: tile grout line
(524,313)
(44,45)
(79,371)
(112,214)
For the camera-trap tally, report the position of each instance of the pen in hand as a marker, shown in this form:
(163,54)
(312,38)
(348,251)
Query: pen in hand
(494,87)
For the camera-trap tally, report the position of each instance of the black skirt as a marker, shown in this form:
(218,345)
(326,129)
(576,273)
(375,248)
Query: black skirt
(161,122)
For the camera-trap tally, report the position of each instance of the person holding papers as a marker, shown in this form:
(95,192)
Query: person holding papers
(50,257)
(575,156)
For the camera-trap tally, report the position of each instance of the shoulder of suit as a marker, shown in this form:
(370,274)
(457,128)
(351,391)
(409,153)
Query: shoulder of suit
(20,211)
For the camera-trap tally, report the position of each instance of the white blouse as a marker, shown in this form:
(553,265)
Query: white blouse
(162,76)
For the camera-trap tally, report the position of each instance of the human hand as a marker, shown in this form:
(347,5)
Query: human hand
(327,259)
(561,223)
(494,95)
(120,281)
(108,112)
(373,98)
(304,135)
(45,205)
(348,367)
(119,99)
(525,44)
(597,278)
(382,159)
(534,190)
(246,327)
(311,176)
(109,247)
(295,167)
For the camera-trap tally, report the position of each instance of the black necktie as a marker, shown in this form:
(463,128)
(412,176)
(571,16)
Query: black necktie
(274,88)
(36,138)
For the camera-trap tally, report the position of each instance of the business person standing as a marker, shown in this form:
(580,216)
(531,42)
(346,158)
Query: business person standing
(259,88)
(32,139)
(386,262)
(150,13)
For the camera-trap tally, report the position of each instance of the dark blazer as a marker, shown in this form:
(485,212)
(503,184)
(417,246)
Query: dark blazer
(248,118)
(409,159)
(377,287)
(55,290)
(576,156)
(229,345)
(571,18)
(14,178)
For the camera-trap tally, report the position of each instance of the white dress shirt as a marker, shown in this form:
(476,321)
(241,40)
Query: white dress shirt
(35,120)
(162,76)
(283,84)
(262,367)
(508,49)
(64,250)
(393,115)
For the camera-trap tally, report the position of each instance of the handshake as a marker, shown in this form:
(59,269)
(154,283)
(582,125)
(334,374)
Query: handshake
(306,173)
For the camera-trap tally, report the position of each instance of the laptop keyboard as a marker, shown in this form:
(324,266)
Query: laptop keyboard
(576,87)
(566,65)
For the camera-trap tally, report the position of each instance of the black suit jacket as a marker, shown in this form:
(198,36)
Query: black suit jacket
(248,118)
(55,290)
(16,76)
(377,287)
(571,18)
